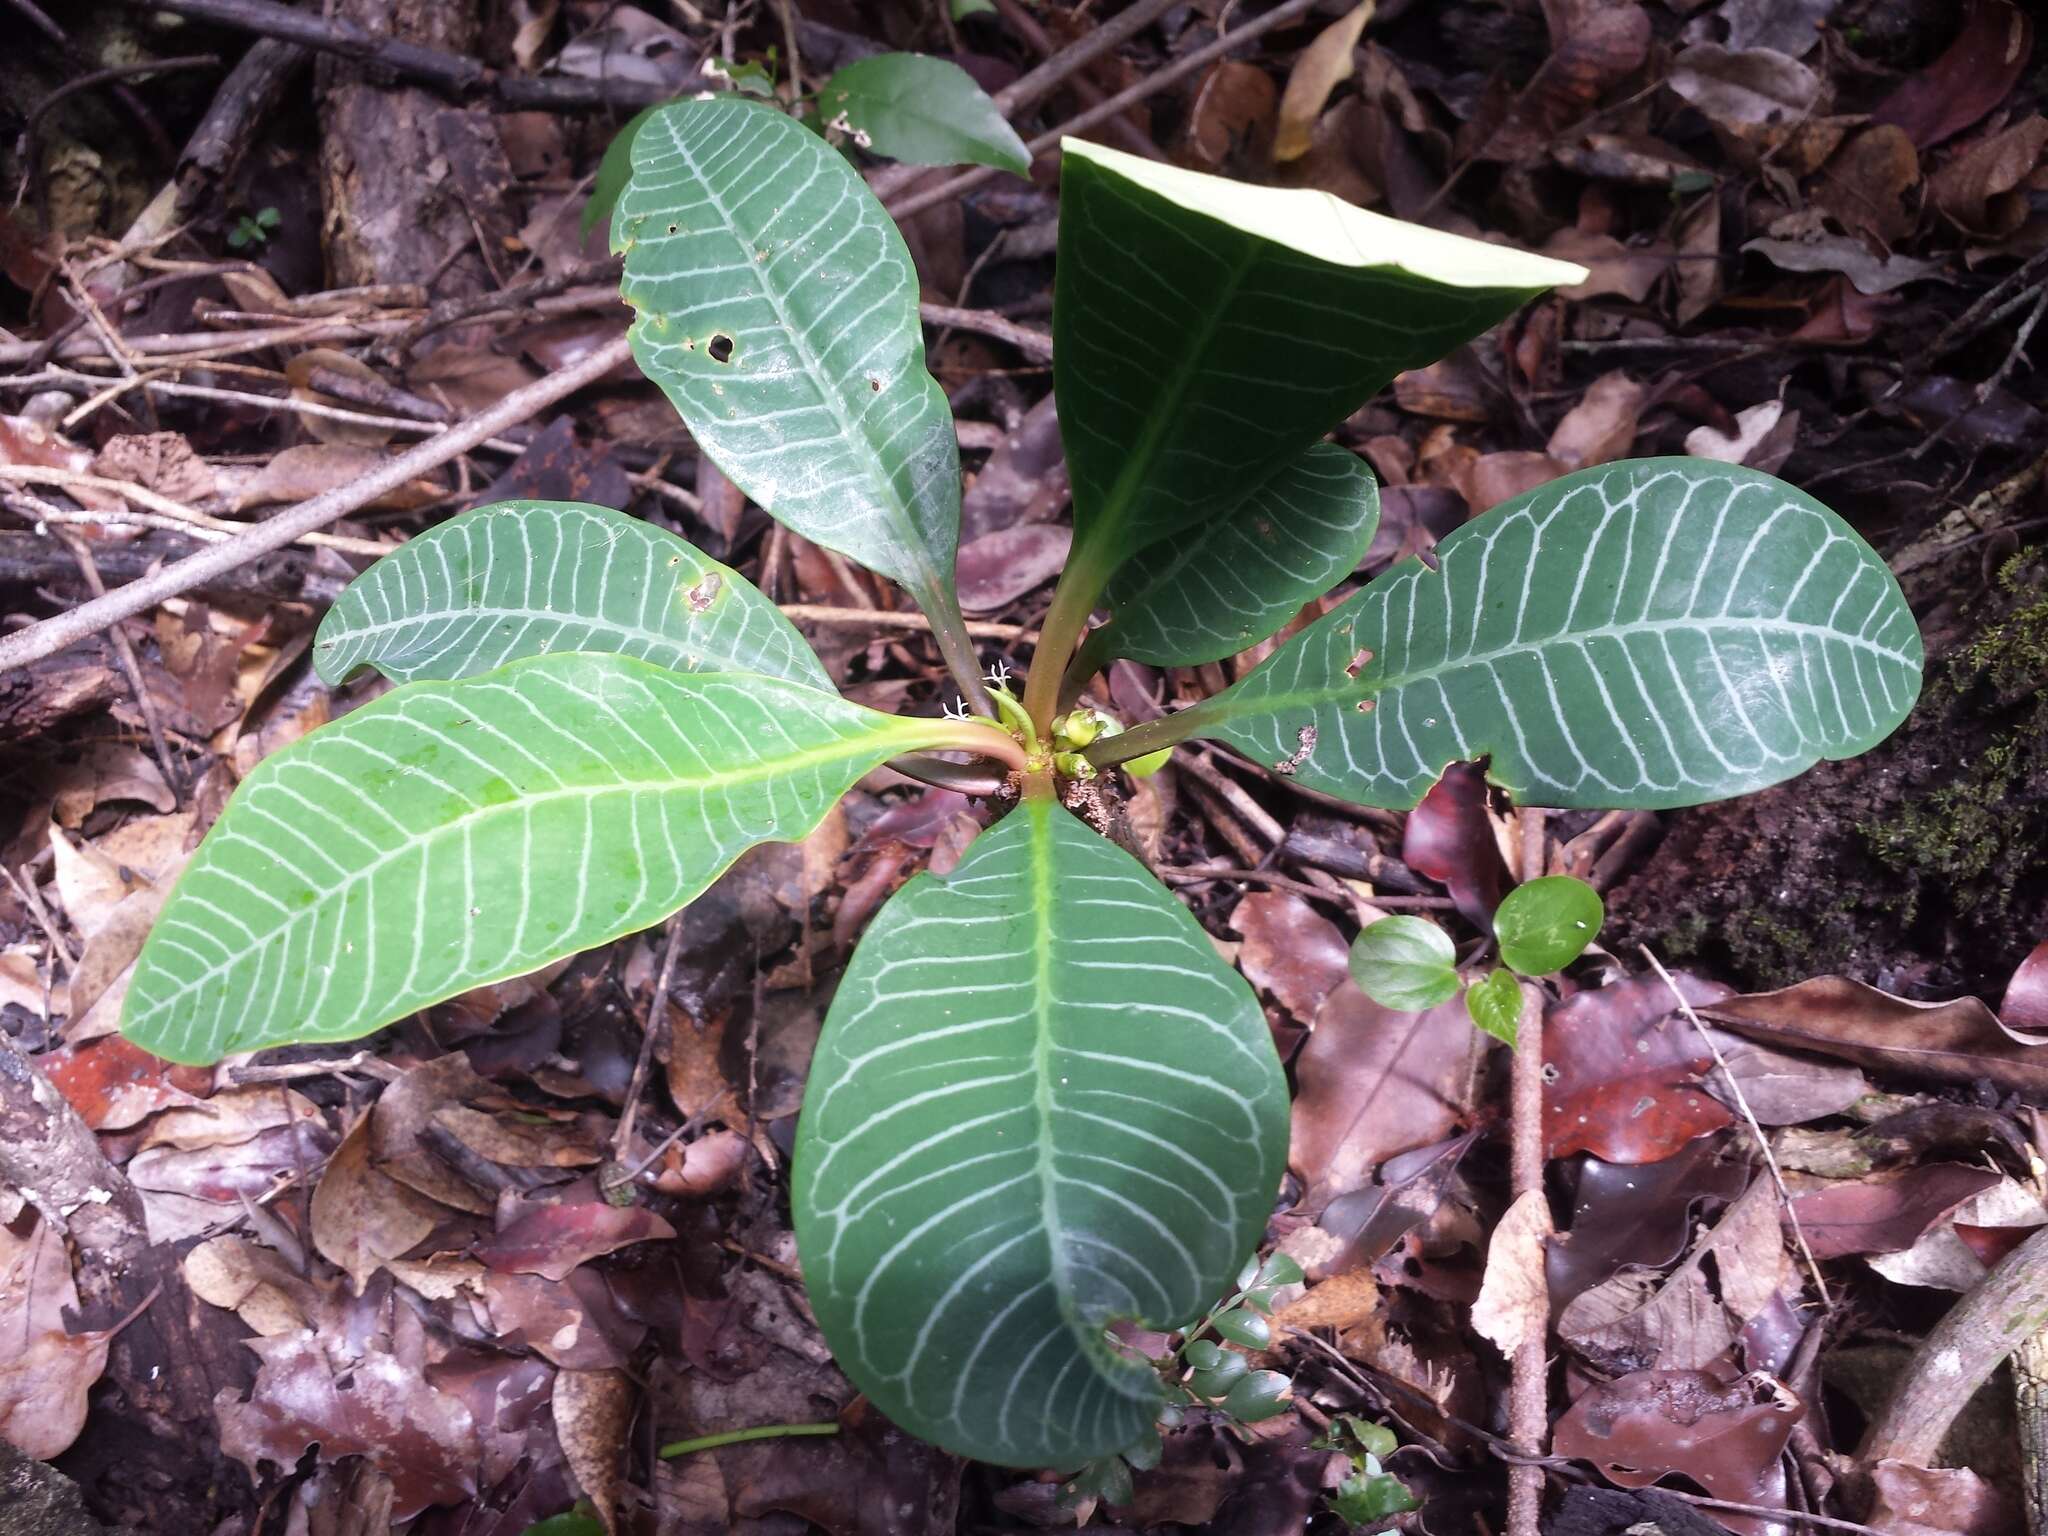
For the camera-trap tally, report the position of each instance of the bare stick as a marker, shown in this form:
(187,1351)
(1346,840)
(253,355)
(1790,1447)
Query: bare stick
(1529,1368)
(52,635)
(947,191)
(889,618)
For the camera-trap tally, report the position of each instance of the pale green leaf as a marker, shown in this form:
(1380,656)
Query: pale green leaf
(1040,1103)
(1239,577)
(1494,1003)
(1659,632)
(922,111)
(456,833)
(612,172)
(1544,924)
(1207,332)
(532,578)
(778,312)
(1405,962)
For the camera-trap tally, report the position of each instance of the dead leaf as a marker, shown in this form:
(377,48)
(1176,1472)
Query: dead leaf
(1625,1070)
(45,1370)
(1636,1215)
(551,1238)
(306,470)
(1493,478)
(163,462)
(253,1282)
(2026,995)
(362,1217)
(1755,426)
(1325,64)
(592,1410)
(1786,26)
(1868,184)
(1970,78)
(1290,950)
(1755,93)
(406,1110)
(1938,1501)
(1886,1212)
(1449,839)
(1956,1042)
(998,568)
(1375,1082)
(114,1085)
(1698,268)
(1513,1308)
(1603,47)
(1848,256)
(1231,118)
(1981,188)
(1722,1430)
(1943,1259)
(521,1140)
(1602,426)
(1629,271)
(1780,1087)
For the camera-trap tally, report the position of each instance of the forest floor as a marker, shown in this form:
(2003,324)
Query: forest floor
(376,1286)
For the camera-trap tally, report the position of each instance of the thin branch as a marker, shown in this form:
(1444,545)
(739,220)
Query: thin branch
(53,635)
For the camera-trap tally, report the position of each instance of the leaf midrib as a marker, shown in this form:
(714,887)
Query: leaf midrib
(908,536)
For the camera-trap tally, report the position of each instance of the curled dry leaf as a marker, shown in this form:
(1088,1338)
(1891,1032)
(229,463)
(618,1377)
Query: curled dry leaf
(592,1410)
(1886,1212)
(1449,839)
(45,1370)
(1782,1087)
(1625,1072)
(1970,78)
(998,568)
(1629,271)
(551,1239)
(1951,1255)
(1981,189)
(1755,93)
(1325,64)
(1232,114)
(1637,1216)
(1513,1308)
(361,1216)
(2026,995)
(1602,426)
(1723,1431)
(1955,1042)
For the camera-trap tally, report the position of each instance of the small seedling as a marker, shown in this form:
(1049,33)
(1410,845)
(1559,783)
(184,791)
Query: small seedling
(254,229)
(1041,1104)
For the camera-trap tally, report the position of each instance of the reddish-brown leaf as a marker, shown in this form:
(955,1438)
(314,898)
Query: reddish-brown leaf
(1290,950)
(1969,79)
(552,1239)
(1722,1430)
(1625,1070)
(2026,995)
(1886,1212)
(1450,840)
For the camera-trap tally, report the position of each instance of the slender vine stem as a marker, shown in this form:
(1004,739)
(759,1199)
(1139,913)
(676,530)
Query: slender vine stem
(741,1436)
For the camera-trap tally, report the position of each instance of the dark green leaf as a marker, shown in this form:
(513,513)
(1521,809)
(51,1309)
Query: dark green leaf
(778,312)
(1495,1005)
(1204,1354)
(1365,1497)
(1653,633)
(1545,924)
(1280,1269)
(1041,1103)
(1246,1328)
(1207,332)
(1259,1395)
(534,578)
(1405,962)
(922,111)
(1240,576)
(1219,1378)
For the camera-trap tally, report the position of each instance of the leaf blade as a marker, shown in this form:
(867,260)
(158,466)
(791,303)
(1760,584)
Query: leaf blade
(791,345)
(922,111)
(1033,1104)
(452,834)
(530,578)
(1240,576)
(1790,674)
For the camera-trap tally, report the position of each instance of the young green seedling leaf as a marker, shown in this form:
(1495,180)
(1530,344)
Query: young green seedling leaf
(1405,962)
(1545,924)
(778,312)
(1653,633)
(1207,332)
(922,111)
(1495,1005)
(1040,1103)
(534,578)
(1239,577)
(453,834)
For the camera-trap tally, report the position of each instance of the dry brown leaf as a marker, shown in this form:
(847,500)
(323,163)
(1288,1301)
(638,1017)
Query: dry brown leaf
(45,1371)
(1602,426)
(1981,188)
(163,462)
(1325,64)
(1513,1308)
(362,1217)
(1869,183)
(592,1409)
(1611,267)
(251,1281)
(1290,950)
(1755,93)
(1232,115)
(307,470)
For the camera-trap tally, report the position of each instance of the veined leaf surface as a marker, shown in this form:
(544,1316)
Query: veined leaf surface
(1040,1103)
(778,312)
(1237,578)
(533,578)
(1654,633)
(1206,331)
(922,111)
(455,833)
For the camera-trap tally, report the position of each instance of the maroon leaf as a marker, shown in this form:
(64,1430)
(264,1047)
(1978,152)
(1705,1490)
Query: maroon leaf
(551,1240)
(1637,1215)
(998,568)
(1955,1042)
(1722,1431)
(1450,840)
(1290,950)
(1980,66)
(1991,1244)
(1624,1070)
(2026,995)
(1886,1213)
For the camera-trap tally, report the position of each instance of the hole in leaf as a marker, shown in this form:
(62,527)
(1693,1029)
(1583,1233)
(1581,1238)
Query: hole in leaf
(720,348)
(672,228)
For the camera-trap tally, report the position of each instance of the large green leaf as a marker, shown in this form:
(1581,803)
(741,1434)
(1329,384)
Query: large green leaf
(922,111)
(1236,579)
(1206,332)
(1040,1103)
(1659,632)
(778,312)
(533,578)
(456,833)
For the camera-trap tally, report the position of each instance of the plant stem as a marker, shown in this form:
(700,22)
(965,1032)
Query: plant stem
(972,736)
(740,1436)
(1090,658)
(1081,583)
(1167,731)
(949,628)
